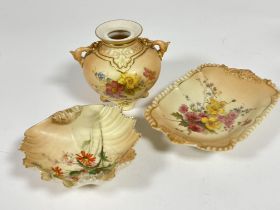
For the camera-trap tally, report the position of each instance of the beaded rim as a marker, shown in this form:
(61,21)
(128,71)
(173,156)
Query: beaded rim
(243,74)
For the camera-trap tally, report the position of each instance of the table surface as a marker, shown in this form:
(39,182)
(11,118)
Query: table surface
(39,77)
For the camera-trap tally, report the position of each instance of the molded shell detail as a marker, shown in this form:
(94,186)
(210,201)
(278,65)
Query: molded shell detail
(81,145)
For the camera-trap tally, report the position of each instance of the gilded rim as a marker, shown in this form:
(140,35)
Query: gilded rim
(244,74)
(128,39)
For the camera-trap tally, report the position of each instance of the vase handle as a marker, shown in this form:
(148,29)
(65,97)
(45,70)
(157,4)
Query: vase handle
(162,47)
(78,53)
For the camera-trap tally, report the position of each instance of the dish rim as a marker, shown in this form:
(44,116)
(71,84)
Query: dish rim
(244,74)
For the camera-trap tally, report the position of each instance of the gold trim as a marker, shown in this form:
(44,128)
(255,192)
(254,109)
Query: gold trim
(243,74)
(121,57)
(78,53)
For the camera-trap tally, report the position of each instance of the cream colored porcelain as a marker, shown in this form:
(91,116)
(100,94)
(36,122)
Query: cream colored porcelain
(212,107)
(81,145)
(122,67)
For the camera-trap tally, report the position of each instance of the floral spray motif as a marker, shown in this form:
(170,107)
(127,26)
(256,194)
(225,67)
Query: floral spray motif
(85,162)
(127,84)
(211,115)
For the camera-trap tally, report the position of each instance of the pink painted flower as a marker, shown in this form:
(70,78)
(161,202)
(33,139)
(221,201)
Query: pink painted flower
(192,117)
(229,119)
(149,74)
(233,115)
(114,89)
(66,158)
(183,108)
(195,127)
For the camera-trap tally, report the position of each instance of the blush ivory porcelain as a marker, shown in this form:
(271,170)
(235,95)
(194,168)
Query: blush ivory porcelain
(81,145)
(212,107)
(121,67)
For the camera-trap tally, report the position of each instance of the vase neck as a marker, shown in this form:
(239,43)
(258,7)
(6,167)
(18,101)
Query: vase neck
(118,32)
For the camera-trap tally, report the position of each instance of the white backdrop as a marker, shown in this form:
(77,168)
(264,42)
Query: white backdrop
(39,77)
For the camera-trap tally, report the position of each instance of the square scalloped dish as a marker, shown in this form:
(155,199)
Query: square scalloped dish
(212,107)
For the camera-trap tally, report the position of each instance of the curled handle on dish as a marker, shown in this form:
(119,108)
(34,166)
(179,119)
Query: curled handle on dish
(82,52)
(162,47)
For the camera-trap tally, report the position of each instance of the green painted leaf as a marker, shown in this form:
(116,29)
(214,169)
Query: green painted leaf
(75,173)
(104,168)
(103,156)
(177,115)
(184,123)
(83,166)
(95,171)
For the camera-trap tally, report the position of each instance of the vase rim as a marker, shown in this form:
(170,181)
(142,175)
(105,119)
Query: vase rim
(118,31)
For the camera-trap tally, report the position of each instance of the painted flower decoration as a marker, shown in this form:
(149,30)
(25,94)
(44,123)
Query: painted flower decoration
(114,89)
(127,84)
(183,108)
(150,75)
(192,117)
(211,123)
(209,116)
(84,164)
(195,127)
(100,75)
(86,159)
(129,81)
(229,119)
(215,107)
(67,158)
(57,171)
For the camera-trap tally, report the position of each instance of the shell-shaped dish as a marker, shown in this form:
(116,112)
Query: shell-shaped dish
(212,107)
(81,145)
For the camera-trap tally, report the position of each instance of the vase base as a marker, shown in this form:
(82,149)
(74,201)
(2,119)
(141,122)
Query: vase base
(104,99)
(125,105)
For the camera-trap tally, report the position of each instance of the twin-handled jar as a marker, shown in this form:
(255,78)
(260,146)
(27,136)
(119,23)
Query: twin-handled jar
(122,67)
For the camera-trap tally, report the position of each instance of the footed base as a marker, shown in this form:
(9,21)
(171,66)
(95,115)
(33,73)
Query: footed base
(104,99)
(124,105)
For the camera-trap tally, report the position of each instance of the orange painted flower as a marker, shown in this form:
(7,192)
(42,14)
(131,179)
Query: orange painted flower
(57,171)
(85,158)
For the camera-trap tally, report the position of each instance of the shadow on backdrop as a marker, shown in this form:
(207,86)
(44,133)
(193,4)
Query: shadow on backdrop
(70,77)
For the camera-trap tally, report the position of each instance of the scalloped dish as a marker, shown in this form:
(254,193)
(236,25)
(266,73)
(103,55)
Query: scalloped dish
(81,145)
(212,107)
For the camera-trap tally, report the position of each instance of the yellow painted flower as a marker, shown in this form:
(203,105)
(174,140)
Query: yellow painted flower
(215,107)
(211,123)
(130,81)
